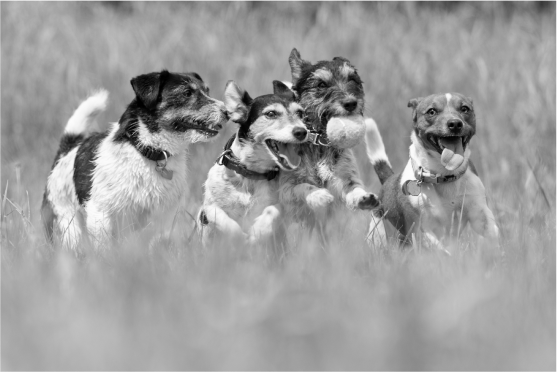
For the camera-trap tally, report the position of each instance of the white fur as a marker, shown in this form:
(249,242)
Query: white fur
(124,182)
(63,198)
(86,113)
(374,143)
(438,202)
(448,96)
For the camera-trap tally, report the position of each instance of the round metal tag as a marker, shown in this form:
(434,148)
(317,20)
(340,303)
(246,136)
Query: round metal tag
(411,187)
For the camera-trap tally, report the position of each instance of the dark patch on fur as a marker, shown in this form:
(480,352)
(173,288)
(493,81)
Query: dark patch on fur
(203,218)
(383,170)
(84,166)
(67,143)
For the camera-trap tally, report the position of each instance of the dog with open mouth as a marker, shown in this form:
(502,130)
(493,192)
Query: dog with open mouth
(439,191)
(137,166)
(241,192)
(332,95)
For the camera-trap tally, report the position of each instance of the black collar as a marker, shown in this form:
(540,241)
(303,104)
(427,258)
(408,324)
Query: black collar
(149,152)
(230,161)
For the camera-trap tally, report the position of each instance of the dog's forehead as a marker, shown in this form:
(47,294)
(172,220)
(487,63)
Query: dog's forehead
(442,100)
(190,79)
(327,70)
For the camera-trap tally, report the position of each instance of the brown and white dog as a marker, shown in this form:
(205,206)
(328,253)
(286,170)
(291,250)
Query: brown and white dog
(439,189)
(241,192)
(332,95)
(137,166)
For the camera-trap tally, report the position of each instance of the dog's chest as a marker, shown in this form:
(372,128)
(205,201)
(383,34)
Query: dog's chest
(438,200)
(241,198)
(318,165)
(124,179)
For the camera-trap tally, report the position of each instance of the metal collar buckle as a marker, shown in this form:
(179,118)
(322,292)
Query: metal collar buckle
(219,160)
(318,139)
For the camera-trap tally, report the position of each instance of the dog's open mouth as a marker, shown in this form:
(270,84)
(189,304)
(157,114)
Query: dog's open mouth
(284,154)
(451,149)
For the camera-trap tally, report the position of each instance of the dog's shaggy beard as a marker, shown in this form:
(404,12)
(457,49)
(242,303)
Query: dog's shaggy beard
(206,117)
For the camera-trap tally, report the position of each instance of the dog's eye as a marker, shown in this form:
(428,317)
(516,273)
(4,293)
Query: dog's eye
(465,109)
(300,114)
(322,84)
(271,114)
(188,93)
(432,112)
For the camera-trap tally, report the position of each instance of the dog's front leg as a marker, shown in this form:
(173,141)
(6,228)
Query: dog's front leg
(316,198)
(352,188)
(265,224)
(99,227)
(482,220)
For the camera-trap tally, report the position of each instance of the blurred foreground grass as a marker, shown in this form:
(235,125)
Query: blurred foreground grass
(348,307)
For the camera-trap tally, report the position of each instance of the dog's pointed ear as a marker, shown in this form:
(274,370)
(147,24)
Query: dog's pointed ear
(414,102)
(237,101)
(147,87)
(281,89)
(341,59)
(297,64)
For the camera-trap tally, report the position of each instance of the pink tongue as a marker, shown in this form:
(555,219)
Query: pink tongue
(291,153)
(453,153)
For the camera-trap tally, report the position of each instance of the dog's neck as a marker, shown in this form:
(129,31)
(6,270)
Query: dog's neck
(173,143)
(253,156)
(431,159)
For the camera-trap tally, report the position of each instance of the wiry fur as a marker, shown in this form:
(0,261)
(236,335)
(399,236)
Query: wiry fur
(238,208)
(325,90)
(104,176)
(436,211)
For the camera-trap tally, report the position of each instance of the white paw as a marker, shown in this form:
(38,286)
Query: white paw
(264,225)
(319,199)
(359,198)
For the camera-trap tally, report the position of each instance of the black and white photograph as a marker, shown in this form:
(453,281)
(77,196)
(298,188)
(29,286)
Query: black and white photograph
(278,185)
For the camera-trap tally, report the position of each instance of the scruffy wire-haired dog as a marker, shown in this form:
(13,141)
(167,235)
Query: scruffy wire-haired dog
(439,182)
(137,166)
(329,91)
(241,191)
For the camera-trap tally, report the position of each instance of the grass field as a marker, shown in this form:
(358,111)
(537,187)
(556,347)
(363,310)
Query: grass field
(346,307)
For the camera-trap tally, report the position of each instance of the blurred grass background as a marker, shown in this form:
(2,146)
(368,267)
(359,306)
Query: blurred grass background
(350,307)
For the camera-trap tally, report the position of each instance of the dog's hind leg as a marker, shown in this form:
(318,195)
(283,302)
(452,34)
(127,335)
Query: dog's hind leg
(99,227)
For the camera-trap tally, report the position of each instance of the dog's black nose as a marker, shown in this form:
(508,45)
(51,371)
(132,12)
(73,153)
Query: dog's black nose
(299,133)
(350,105)
(455,125)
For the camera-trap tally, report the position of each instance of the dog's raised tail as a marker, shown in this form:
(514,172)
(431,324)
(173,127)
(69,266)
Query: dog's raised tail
(376,151)
(84,116)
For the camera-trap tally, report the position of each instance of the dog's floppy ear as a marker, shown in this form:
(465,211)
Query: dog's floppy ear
(281,89)
(147,87)
(414,102)
(237,101)
(297,64)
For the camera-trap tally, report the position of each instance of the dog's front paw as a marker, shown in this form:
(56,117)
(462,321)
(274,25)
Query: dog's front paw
(319,199)
(264,225)
(359,198)
(369,201)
